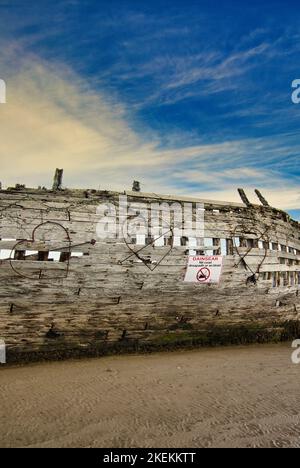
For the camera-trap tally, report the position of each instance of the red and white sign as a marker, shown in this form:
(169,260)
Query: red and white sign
(204,269)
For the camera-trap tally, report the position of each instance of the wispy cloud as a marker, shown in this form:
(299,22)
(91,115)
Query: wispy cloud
(214,70)
(53,118)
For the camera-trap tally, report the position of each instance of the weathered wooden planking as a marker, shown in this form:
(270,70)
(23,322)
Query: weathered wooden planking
(108,295)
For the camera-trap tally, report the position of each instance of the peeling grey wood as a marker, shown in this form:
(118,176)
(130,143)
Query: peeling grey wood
(94,298)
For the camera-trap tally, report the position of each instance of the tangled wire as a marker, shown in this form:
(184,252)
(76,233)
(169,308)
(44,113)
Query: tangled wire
(260,236)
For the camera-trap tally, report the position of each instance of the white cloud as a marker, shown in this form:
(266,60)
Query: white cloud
(53,119)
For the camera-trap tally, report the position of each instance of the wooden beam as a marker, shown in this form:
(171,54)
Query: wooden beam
(261,198)
(244,197)
(57,181)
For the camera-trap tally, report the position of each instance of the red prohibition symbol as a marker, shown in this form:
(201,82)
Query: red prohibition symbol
(203,274)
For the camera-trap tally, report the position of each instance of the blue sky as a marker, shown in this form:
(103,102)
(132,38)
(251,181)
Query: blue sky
(189,97)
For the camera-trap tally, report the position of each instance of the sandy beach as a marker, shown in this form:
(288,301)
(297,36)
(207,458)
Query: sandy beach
(225,397)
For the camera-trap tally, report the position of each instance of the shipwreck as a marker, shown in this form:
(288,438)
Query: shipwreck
(68,291)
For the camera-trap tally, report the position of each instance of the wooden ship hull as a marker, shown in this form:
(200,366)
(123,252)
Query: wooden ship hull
(64,292)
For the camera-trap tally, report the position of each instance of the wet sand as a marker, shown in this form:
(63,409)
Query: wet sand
(225,397)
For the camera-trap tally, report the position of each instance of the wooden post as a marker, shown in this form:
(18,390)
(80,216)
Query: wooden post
(57,181)
(136,187)
(244,197)
(261,198)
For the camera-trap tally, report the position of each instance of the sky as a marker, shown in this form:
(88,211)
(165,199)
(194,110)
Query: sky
(188,97)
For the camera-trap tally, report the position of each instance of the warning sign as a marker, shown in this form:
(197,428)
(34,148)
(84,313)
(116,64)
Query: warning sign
(204,269)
